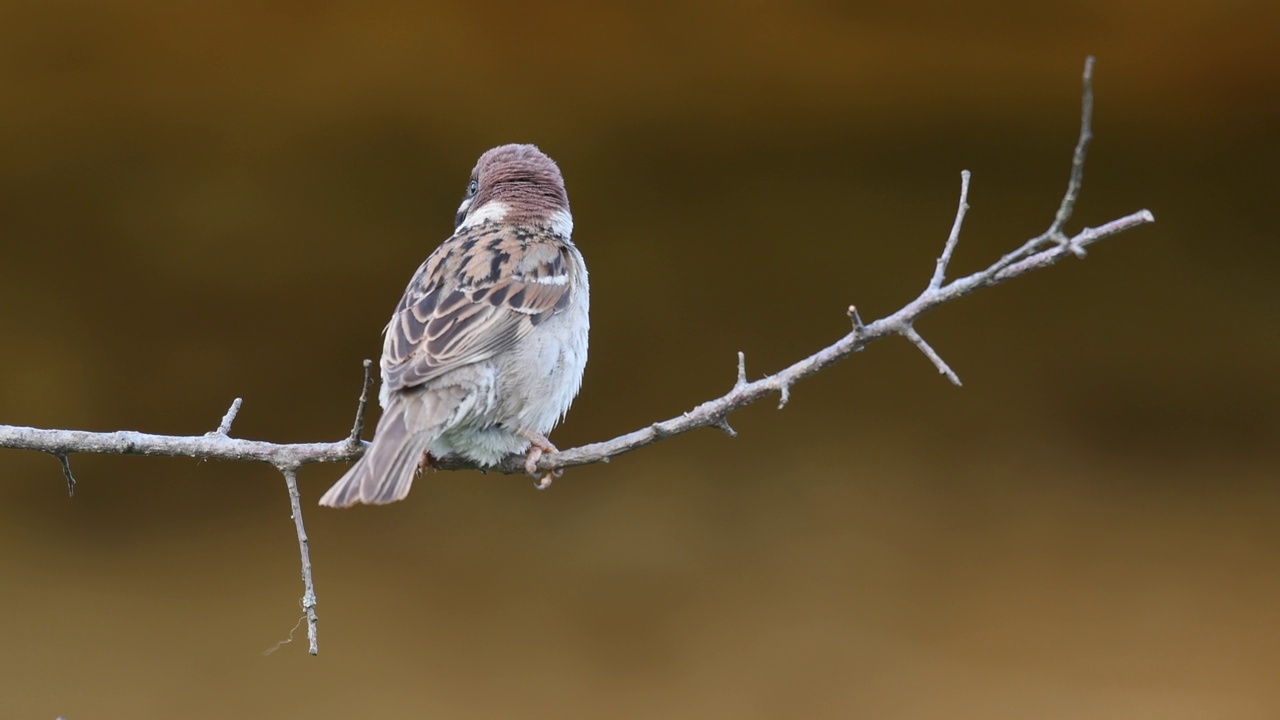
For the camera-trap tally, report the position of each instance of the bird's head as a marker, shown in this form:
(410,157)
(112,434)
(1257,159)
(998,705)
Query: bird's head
(519,184)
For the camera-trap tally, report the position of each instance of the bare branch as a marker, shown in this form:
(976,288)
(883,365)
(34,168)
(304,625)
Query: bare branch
(205,447)
(1048,248)
(713,413)
(1034,254)
(308,586)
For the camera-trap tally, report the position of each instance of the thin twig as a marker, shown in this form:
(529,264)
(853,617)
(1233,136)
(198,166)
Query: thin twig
(308,586)
(358,426)
(1076,181)
(940,270)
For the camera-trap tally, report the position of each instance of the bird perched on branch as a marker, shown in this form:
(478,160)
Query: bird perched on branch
(486,350)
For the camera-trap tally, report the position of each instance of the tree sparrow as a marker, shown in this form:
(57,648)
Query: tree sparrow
(485,351)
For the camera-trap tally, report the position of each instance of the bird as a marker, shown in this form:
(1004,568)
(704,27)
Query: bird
(485,352)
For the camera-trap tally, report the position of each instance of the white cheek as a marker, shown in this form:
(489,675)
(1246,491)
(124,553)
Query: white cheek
(492,210)
(562,223)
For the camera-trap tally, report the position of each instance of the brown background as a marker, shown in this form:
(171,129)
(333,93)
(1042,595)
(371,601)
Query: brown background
(205,202)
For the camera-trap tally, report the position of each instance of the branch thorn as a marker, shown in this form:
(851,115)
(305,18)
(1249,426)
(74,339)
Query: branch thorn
(856,319)
(723,424)
(909,332)
(66,472)
(742,371)
(224,427)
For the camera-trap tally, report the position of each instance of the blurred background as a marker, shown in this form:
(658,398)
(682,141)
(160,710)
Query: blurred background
(205,201)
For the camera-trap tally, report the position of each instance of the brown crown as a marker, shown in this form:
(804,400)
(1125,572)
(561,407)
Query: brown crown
(523,178)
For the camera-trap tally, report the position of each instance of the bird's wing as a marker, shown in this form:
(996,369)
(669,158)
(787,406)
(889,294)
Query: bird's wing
(474,297)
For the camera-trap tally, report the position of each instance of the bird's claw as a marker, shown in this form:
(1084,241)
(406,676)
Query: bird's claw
(538,446)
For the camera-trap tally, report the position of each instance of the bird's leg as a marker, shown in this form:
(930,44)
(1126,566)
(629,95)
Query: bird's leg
(538,445)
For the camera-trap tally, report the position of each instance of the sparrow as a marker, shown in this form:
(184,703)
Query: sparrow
(485,352)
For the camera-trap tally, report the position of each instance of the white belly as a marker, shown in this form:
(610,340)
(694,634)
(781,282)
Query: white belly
(527,388)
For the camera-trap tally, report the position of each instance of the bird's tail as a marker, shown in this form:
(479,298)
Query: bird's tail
(385,473)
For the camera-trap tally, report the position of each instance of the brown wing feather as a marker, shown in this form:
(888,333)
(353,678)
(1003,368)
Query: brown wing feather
(478,293)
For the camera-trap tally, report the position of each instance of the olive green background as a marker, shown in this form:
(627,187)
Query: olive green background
(200,201)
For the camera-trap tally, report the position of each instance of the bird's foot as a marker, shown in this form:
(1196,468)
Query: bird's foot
(538,446)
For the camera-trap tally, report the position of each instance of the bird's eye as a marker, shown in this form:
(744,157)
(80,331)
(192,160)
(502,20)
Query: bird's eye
(473,188)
